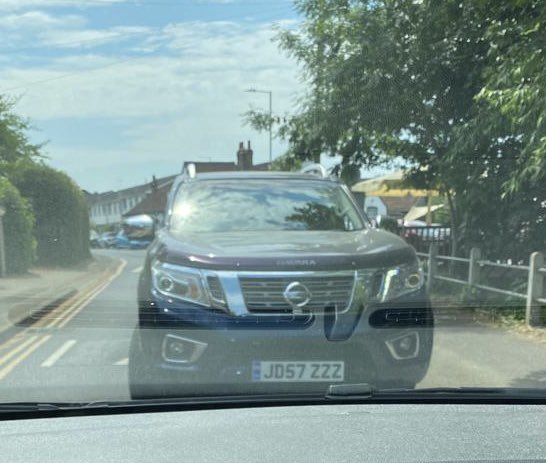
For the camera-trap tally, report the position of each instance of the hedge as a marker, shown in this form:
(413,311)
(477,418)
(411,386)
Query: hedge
(18,220)
(60,209)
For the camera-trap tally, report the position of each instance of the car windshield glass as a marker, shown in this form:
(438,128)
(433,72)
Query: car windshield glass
(270,197)
(263,205)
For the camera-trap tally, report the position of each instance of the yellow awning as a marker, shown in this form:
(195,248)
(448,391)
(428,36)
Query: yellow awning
(417,212)
(400,192)
(378,183)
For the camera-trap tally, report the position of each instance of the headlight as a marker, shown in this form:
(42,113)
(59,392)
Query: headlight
(179,282)
(385,284)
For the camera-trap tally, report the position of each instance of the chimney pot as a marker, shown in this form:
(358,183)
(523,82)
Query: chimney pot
(244,157)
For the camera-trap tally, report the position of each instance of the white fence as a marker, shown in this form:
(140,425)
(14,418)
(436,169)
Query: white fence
(534,297)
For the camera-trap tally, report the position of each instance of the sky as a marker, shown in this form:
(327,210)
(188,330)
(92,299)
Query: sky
(125,89)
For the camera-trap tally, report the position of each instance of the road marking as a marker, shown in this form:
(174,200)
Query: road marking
(10,366)
(84,302)
(53,358)
(69,308)
(60,312)
(137,270)
(19,348)
(13,340)
(124,361)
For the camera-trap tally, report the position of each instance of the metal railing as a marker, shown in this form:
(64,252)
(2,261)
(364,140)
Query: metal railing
(421,237)
(535,282)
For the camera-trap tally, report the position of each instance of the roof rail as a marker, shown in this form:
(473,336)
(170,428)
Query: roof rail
(189,170)
(314,169)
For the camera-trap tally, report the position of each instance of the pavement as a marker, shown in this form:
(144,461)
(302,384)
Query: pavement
(26,297)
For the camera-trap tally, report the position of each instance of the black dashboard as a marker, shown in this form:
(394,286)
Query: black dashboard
(337,433)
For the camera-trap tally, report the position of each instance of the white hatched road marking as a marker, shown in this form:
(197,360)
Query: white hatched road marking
(53,358)
(10,366)
(124,361)
(18,349)
(138,269)
(34,342)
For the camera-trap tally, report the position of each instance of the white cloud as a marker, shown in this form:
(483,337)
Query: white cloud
(88,38)
(38,30)
(182,102)
(207,64)
(22,31)
(37,20)
(13,5)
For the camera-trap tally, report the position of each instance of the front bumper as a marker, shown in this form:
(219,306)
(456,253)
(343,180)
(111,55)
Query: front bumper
(388,345)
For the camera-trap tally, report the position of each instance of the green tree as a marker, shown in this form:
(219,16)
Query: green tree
(14,143)
(418,80)
(287,162)
(386,79)
(18,223)
(515,84)
(62,220)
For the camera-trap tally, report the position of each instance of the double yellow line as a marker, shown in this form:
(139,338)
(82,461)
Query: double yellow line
(22,344)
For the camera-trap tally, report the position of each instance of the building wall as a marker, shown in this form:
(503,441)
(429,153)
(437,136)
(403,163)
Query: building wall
(107,209)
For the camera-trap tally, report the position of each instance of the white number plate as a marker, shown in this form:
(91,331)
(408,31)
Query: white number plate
(298,371)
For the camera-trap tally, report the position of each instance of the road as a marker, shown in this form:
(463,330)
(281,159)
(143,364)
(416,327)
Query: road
(83,356)
(86,359)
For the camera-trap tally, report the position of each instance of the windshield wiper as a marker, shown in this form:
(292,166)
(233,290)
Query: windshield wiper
(366,392)
(353,391)
(336,393)
(30,407)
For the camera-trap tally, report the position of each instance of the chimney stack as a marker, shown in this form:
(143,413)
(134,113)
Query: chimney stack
(244,157)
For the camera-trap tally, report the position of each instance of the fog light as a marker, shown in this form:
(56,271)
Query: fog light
(181,350)
(176,348)
(405,346)
(413,281)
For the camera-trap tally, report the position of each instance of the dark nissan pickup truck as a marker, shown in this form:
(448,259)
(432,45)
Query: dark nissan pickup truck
(272,281)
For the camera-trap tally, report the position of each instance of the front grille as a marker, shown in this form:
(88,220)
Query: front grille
(265,294)
(216,291)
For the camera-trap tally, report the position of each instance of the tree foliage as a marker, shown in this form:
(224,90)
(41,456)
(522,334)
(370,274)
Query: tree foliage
(14,143)
(516,82)
(53,209)
(18,221)
(456,88)
(287,162)
(62,220)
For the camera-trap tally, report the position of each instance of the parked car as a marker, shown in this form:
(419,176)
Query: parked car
(94,238)
(107,240)
(136,232)
(275,281)
(122,241)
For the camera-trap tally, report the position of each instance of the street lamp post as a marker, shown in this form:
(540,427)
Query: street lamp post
(270,93)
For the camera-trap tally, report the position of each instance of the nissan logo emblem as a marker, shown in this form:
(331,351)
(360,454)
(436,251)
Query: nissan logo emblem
(297,295)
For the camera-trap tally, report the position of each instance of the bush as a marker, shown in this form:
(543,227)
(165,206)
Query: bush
(18,222)
(60,209)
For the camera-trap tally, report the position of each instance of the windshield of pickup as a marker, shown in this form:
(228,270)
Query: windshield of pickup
(263,205)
